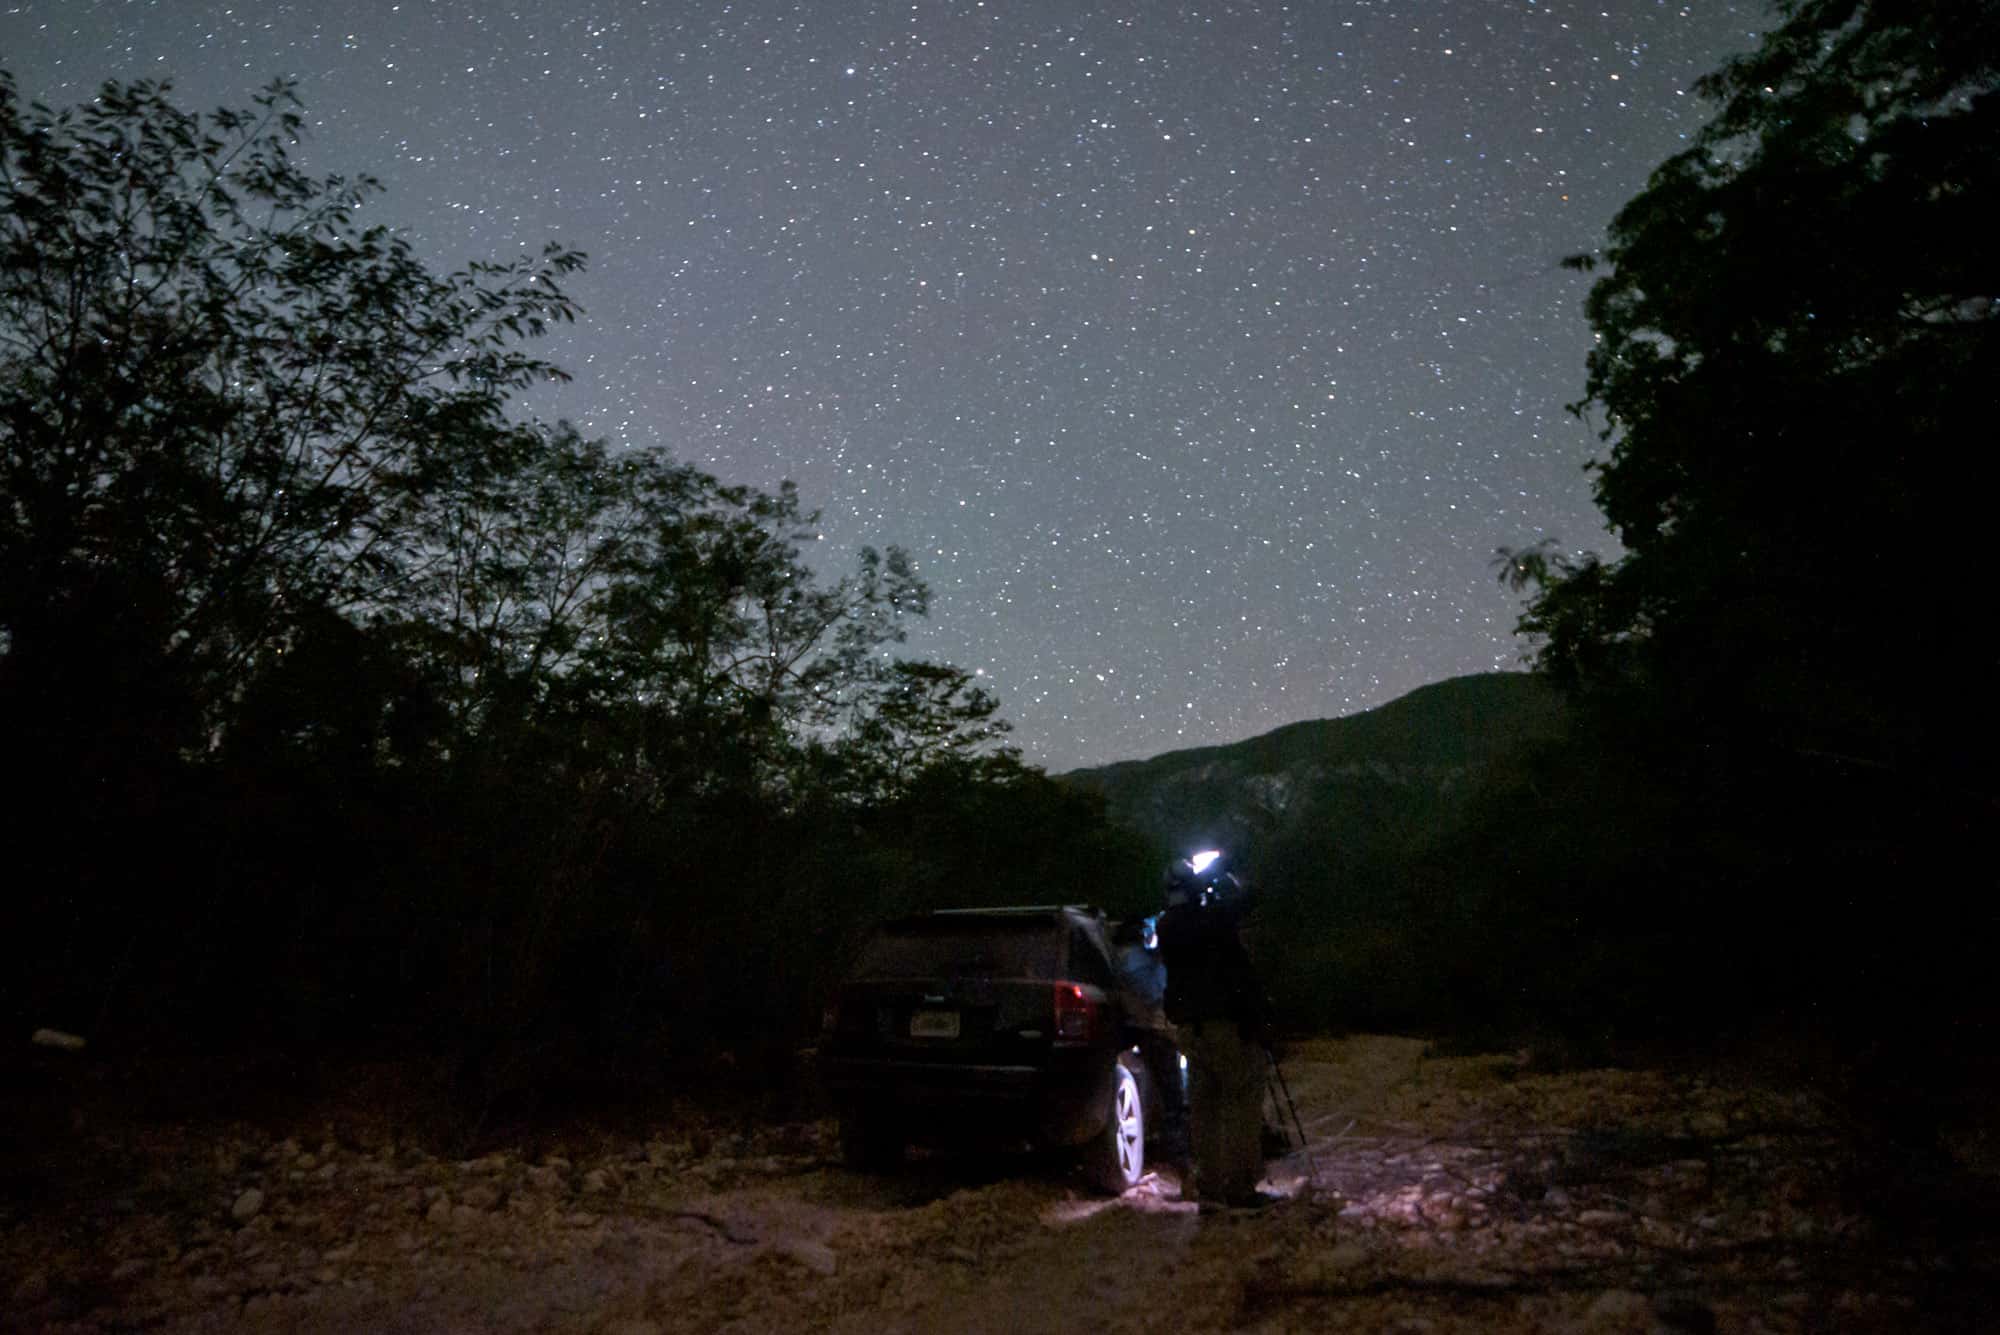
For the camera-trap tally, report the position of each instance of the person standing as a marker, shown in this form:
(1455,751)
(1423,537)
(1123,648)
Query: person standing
(1218,1007)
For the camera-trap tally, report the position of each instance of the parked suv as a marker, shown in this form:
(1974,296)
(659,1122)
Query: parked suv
(1022,1024)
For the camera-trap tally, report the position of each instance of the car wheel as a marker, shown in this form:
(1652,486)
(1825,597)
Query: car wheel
(1116,1159)
(869,1141)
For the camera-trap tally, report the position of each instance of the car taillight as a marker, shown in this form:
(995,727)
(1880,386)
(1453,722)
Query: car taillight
(1076,1016)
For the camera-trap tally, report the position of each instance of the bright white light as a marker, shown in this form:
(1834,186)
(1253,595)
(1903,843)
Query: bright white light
(1203,860)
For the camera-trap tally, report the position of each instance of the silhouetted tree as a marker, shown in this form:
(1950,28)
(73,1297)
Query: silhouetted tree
(1796,373)
(222,403)
(333,696)
(914,717)
(721,644)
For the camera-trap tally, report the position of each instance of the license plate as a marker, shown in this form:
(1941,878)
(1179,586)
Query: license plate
(934,1024)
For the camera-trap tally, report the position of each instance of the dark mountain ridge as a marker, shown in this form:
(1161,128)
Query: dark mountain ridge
(1410,763)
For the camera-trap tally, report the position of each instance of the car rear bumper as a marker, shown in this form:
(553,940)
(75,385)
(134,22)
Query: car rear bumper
(941,1101)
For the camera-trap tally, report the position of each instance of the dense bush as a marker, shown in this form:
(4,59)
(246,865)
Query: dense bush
(344,707)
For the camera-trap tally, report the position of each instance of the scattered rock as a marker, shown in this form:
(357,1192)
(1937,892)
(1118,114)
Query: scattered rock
(1347,1256)
(32,1290)
(1445,1212)
(481,1196)
(1616,1312)
(1411,1210)
(814,1256)
(1708,1125)
(797,1139)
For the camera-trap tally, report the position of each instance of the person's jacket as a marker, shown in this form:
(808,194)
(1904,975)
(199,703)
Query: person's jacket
(1209,974)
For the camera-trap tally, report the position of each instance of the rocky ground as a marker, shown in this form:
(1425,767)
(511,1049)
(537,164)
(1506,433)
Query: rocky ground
(1438,1194)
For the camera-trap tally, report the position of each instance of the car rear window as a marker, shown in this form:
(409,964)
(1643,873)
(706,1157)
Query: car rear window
(957,947)
(1086,962)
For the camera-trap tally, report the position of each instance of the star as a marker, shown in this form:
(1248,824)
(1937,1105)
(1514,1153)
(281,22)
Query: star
(1201,356)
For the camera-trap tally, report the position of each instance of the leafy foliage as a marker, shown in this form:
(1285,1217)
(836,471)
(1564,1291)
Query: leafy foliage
(224,402)
(1794,372)
(338,697)
(917,718)
(1788,715)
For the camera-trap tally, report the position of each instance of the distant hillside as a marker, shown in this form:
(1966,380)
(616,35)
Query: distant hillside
(1481,859)
(1385,777)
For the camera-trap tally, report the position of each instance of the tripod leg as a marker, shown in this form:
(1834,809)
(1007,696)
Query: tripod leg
(1278,1076)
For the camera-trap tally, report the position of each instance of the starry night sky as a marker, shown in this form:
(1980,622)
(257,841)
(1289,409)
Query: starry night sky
(1201,353)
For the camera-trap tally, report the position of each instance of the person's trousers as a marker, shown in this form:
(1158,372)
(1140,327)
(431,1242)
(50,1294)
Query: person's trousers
(1226,1109)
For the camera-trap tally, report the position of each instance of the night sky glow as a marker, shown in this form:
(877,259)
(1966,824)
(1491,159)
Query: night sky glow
(1200,353)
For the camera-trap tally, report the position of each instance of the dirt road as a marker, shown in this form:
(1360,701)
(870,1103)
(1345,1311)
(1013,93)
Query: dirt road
(1446,1194)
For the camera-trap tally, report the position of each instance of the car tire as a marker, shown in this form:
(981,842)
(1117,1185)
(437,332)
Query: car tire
(869,1141)
(1115,1159)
